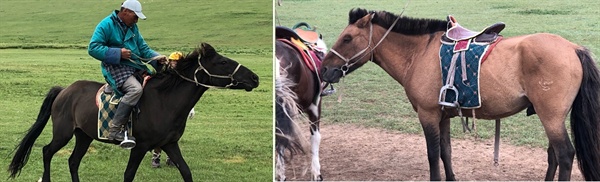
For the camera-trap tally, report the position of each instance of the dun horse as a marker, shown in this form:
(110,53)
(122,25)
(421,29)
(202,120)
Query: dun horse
(542,70)
(167,99)
(305,86)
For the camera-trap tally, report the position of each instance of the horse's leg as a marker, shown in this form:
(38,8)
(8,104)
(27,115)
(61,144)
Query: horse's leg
(280,163)
(446,148)
(135,158)
(552,114)
(60,138)
(562,149)
(552,164)
(174,153)
(431,128)
(315,139)
(82,143)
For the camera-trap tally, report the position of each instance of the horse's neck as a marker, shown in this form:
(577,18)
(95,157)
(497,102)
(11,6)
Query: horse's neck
(400,54)
(182,96)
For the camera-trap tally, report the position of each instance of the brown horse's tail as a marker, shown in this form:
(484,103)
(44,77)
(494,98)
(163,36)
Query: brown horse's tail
(24,148)
(585,118)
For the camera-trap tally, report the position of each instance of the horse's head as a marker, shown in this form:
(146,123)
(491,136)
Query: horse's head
(215,70)
(352,49)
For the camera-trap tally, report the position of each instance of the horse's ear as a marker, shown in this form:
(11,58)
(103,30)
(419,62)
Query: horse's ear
(364,21)
(207,50)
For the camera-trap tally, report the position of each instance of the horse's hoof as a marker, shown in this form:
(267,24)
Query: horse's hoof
(319,178)
(327,92)
(155,164)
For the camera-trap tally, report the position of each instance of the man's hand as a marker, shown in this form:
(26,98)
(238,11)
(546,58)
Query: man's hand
(125,53)
(162,59)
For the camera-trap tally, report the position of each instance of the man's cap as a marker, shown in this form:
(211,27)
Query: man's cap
(134,6)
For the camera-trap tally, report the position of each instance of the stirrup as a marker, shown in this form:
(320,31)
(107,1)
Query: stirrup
(329,91)
(443,92)
(127,143)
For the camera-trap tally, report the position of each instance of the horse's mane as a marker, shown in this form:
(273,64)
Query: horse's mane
(405,25)
(170,78)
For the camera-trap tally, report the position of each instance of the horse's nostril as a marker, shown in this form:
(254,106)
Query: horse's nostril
(255,77)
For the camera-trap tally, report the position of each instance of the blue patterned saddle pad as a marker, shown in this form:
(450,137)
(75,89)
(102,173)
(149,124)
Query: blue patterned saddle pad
(468,90)
(106,111)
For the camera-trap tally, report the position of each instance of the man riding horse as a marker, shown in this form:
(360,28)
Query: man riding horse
(114,41)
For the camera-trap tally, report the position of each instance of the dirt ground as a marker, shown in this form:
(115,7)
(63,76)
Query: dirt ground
(355,153)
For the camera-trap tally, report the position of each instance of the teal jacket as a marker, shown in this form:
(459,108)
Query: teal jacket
(108,39)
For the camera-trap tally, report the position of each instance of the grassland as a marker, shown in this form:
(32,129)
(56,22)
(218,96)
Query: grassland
(43,44)
(372,98)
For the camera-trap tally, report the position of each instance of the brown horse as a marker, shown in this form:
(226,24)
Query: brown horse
(541,70)
(163,108)
(306,87)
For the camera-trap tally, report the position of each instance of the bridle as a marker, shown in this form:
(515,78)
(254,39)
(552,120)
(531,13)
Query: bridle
(344,68)
(200,67)
(233,82)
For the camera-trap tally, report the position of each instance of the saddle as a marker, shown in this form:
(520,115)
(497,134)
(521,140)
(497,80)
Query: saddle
(307,34)
(107,101)
(459,33)
(305,41)
(461,55)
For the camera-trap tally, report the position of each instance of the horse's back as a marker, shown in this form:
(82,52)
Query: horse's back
(523,70)
(75,106)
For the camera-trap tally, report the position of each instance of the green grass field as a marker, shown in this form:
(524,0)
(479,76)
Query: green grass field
(43,44)
(370,97)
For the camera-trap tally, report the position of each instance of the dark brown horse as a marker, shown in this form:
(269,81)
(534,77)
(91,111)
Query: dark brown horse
(541,70)
(306,87)
(166,100)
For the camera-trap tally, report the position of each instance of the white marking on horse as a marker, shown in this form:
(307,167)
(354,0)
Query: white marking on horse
(316,165)
(545,84)
(280,166)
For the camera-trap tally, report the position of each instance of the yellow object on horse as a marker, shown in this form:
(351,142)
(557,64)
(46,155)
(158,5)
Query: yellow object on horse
(175,56)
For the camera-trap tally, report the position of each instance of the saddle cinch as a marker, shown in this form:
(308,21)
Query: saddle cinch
(472,48)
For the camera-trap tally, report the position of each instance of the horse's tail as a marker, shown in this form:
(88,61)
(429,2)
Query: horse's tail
(24,148)
(287,113)
(585,118)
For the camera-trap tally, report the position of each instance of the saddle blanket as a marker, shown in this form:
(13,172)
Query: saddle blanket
(468,89)
(309,56)
(106,111)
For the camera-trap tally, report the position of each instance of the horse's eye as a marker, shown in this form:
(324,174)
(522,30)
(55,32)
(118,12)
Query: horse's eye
(347,39)
(223,62)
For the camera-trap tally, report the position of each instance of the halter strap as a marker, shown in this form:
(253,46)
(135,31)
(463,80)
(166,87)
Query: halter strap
(344,68)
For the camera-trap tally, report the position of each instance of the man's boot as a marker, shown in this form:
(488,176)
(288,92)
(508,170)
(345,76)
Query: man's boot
(121,117)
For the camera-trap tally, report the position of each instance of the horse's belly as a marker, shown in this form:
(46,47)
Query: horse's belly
(501,96)
(496,109)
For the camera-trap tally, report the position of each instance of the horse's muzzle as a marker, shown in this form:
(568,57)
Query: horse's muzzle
(254,83)
(331,75)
